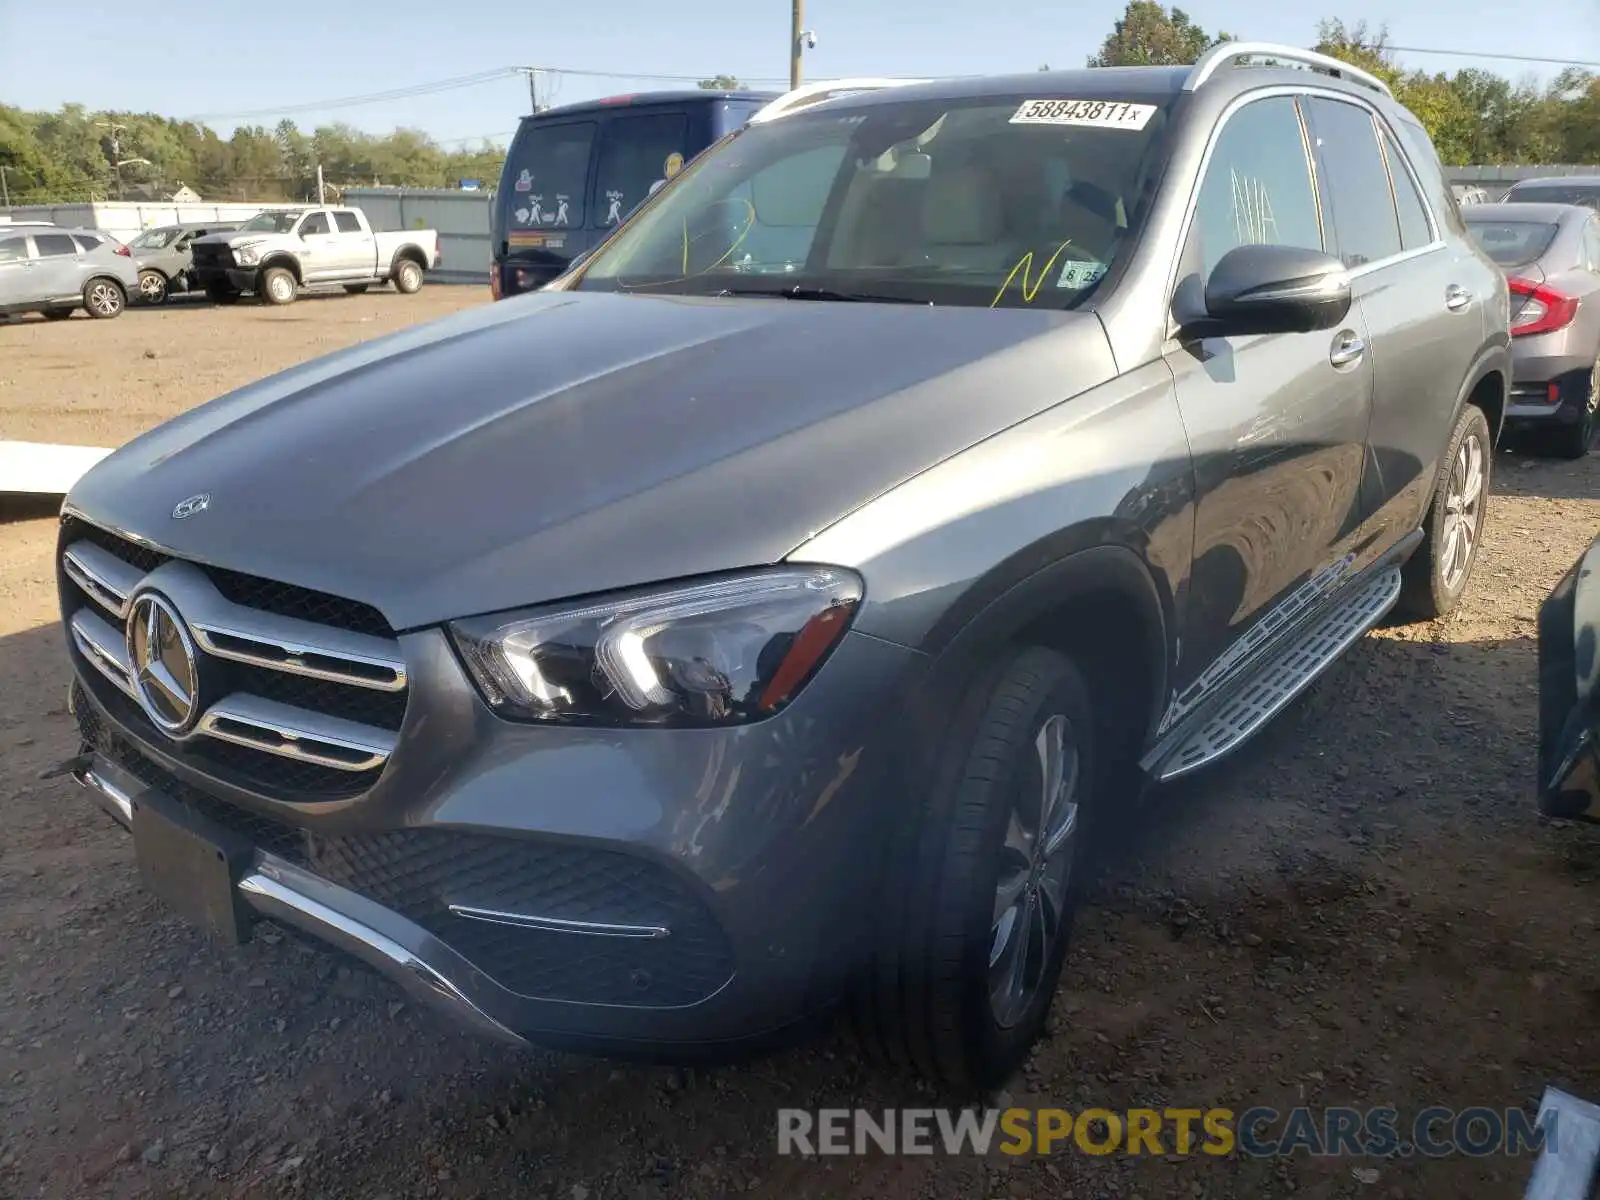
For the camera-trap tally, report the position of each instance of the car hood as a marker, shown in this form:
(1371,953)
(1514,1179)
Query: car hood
(564,443)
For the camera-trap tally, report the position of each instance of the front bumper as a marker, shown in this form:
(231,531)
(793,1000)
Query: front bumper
(624,891)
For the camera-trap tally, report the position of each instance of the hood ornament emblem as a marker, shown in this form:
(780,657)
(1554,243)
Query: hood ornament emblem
(191,506)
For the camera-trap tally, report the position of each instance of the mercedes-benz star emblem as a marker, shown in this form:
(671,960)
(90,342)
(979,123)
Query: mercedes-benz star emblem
(162,658)
(194,504)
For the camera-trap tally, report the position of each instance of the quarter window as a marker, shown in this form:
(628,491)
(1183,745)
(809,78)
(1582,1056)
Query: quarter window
(1414,228)
(1258,187)
(1355,180)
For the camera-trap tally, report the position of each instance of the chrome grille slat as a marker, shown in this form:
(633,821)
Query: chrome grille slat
(252,650)
(295,733)
(104,647)
(102,576)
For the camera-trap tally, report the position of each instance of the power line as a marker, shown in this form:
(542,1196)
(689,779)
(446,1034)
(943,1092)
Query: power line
(403,93)
(1527,58)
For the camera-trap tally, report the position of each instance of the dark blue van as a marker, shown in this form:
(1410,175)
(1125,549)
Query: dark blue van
(574,172)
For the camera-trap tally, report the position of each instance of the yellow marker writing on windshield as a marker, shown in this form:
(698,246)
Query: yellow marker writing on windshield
(1029,290)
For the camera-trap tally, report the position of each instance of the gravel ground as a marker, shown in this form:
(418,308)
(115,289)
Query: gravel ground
(1362,908)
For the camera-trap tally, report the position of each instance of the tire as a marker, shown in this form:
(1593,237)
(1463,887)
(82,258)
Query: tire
(1573,441)
(104,298)
(220,293)
(357,289)
(277,286)
(1437,575)
(57,314)
(407,277)
(934,997)
(153,287)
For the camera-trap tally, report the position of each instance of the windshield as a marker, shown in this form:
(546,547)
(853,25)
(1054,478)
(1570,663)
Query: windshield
(1512,243)
(153,239)
(270,222)
(1587,195)
(993,201)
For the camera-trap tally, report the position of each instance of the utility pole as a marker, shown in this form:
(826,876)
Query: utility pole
(319,184)
(5,192)
(533,87)
(796,31)
(113,128)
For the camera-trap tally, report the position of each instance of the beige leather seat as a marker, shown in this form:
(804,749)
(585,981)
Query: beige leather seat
(963,222)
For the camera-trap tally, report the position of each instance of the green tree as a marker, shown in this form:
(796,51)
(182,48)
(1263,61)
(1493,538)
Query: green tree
(720,83)
(1149,34)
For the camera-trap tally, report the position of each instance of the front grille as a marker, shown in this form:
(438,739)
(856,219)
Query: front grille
(302,693)
(420,873)
(213,256)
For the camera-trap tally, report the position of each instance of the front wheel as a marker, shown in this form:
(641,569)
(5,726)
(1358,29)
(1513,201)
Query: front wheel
(278,286)
(104,299)
(152,287)
(1436,576)
(408,278)
(976,909)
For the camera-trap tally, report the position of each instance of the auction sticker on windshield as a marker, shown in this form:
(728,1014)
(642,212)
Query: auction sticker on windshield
(1101,114)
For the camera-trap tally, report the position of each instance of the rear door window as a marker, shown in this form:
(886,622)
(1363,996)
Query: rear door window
(546,176)
(347,222)
(1355,180)
(51,244)
(636,152)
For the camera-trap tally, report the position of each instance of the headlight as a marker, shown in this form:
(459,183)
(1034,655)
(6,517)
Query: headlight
(246,255)
(720,652)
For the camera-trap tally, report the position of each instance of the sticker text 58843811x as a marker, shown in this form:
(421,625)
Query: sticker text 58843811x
(1101,114)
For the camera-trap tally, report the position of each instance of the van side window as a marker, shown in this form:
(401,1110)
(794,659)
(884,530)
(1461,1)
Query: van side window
(1257,187)
(1355,180)
(547,175)
(633,155)
(1414,229)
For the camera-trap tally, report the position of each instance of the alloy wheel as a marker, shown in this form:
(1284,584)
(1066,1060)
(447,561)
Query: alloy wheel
(1463,511)
(1035,871)
(105,299)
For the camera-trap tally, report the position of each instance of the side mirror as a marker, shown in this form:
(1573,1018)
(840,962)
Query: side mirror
(1275,289)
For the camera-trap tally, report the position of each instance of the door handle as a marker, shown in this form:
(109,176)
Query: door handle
(1456,297)
(1347,348)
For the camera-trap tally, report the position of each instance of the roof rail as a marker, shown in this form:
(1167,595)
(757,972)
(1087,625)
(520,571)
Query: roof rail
(815,93)
(1226,52)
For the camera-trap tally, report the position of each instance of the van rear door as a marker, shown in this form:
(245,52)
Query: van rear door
(540,210)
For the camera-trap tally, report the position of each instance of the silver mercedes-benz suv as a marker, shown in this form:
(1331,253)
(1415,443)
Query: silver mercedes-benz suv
(757,617)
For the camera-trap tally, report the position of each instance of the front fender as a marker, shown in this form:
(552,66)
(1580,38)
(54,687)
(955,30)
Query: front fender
(1569,715)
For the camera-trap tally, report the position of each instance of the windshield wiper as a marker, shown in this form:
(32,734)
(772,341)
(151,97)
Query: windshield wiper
(816,293)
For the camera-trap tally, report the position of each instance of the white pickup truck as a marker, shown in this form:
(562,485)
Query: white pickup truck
(274,254)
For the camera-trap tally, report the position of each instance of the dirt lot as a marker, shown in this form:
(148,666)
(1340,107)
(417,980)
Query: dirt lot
(1362,909)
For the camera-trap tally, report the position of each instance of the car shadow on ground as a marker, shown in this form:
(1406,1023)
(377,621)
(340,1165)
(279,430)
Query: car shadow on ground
(1226,954)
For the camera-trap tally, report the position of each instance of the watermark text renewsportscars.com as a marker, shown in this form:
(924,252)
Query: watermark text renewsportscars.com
(1259,1132)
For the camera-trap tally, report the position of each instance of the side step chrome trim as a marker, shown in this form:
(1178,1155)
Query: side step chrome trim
(1272,686)
(1566,1167)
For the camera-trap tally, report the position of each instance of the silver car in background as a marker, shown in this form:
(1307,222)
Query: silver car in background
(1551,256)
(57,271)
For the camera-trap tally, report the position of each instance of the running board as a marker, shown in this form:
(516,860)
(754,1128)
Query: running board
(1280,680)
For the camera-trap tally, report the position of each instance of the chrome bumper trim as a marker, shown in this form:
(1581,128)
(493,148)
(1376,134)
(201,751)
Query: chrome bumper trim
(558,924)
(269,890)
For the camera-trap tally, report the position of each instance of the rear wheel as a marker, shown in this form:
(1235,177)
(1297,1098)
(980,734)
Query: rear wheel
(278,286)
(1437,574)
(153,287)
(408,277)
(104,299)
(977,907)
(356,289)
(1573,441)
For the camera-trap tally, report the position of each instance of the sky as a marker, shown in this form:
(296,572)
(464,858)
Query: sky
(230,63)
